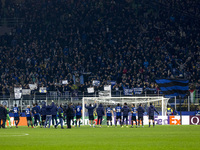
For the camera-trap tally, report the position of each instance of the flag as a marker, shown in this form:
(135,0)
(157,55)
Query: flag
(90,90)
(192,96)
(173,87)
(43,90)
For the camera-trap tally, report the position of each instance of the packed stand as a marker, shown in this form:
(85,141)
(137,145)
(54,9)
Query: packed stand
(130,43)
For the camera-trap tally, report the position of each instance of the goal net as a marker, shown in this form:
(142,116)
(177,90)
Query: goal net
(160,103)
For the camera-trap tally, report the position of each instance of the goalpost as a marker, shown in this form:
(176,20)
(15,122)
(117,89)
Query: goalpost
(159,102)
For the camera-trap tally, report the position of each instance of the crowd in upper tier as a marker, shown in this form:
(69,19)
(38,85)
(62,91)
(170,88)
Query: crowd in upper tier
(126,41)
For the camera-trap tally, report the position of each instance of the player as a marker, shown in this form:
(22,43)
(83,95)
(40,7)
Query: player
(100,113)
(140,114)
(118,110)
(28,116)
(54,113)
(43,114)
(35,112)
(78,112)
(39,113)
(60,116)
(8,117)
(151,114)
(125,111)
(90,113)
(134,112)
(16,115)
(109,113)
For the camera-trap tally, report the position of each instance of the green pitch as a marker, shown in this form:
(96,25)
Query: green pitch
(86,138)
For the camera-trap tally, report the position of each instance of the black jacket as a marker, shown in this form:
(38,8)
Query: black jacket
(3,113)
(69,111)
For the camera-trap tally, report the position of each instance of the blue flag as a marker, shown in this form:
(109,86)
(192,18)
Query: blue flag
(173,87)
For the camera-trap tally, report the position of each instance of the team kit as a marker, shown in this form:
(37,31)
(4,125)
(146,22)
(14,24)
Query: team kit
(44,116)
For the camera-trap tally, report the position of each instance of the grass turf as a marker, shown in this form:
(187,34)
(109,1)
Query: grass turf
(160,137)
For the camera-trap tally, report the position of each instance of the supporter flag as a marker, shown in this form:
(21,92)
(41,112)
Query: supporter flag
(43,90)
(173,87)
(90,90)
(192,96)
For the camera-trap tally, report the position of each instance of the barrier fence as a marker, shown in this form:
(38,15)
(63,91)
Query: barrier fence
(187,104)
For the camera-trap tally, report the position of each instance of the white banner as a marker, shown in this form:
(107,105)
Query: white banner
(138,90)
(64,81)
(104,93)
(33,86)
(107,87)
(26,91)
(18,92)
(90,90)
(43,90)
(18,95)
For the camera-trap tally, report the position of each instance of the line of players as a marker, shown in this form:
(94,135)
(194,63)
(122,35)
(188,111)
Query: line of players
(121,112)
(51,112)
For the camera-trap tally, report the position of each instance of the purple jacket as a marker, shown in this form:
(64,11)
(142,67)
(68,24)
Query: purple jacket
(151,110)
(140,111)
(125,110)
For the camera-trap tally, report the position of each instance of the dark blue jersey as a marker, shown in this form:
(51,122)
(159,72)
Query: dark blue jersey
(134,111)
(118,111)
(108,111)
(16,110)
(78,110)
(28,112)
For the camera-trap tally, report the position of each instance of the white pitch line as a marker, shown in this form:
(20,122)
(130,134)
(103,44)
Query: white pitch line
(14,135)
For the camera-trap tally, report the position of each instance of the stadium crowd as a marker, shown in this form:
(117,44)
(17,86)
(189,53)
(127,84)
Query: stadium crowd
(128,42)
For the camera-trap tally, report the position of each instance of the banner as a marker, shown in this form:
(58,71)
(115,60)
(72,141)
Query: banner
(90,90)
(151,90)
(64,81)
(107,87)
(18,92)
(192,96)
(18,95)
(26,91)
(138,90)
(4,103)
(128,92)
(43,90)
(33,86)
(104,93)
(95,82)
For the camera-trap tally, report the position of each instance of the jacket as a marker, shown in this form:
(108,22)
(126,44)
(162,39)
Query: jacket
(151,110)
(54,109)
(140,111)
(125,110)
(3,113)
(100,110)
